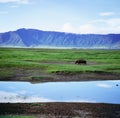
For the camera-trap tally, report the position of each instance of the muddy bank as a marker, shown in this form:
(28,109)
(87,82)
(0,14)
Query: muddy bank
(39,75)
(60,110)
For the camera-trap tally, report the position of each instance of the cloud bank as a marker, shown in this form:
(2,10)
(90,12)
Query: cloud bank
(99,26)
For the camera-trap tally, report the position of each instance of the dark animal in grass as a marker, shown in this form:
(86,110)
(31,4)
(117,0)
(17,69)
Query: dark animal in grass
(80,61)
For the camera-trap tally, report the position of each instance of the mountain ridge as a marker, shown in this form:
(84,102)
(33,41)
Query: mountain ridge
(37,39)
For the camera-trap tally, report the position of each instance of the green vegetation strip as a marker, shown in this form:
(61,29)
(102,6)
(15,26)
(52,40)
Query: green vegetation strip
(105,60)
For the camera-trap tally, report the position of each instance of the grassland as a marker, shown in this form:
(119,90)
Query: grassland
(49,61)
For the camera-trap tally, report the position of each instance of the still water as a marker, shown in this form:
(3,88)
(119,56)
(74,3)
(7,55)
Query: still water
(92,92)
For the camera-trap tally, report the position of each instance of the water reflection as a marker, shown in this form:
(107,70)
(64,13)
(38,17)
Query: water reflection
(95,91)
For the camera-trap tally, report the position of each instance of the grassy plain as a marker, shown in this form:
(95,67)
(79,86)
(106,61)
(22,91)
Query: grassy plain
(55,60)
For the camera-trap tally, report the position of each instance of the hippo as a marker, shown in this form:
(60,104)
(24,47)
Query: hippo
(81,61)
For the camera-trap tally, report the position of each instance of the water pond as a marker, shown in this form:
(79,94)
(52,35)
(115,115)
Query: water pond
(92,92)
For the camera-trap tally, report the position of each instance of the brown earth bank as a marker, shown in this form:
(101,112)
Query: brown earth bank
(62,110)
(39,75)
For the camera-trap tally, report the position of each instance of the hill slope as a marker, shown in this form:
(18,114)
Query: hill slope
(38,38)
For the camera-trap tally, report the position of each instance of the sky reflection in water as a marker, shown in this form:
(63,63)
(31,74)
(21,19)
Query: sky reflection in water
(94,91)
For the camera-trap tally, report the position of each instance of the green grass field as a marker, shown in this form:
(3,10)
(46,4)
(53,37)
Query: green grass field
(103,60)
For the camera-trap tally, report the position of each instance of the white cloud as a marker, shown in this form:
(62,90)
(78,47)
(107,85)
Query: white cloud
(104,85)
(114,22)
(99,26)
(106,13)
(23,1)
(87,28)
(15,1)
(67,27)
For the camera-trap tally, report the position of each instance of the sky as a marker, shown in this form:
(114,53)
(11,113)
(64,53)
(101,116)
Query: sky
(73,16)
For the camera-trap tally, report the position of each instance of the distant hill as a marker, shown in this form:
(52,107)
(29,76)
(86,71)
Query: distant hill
(39,39)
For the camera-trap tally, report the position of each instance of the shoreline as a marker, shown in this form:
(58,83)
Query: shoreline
(53,77)
(62,110)
(39,75)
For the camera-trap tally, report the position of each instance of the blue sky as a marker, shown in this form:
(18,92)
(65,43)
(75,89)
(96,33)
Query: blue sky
(76,16)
